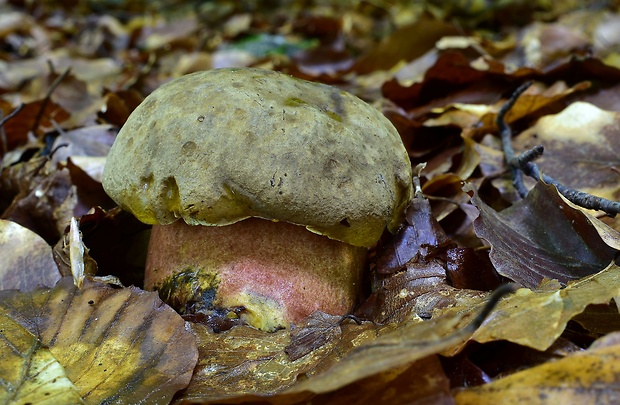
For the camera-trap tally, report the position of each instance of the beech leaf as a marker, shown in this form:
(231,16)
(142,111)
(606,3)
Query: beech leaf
(541,237)
(421,237)
(94,345)
(588,377)
(537,319)
(245,364)
(581,145)
(26,261)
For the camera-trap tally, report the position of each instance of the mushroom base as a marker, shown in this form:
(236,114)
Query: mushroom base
(270,274)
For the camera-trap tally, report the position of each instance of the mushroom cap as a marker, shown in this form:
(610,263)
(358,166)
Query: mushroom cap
(219,146)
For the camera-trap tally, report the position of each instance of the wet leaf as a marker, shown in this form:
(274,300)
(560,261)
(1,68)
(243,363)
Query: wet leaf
(98,344)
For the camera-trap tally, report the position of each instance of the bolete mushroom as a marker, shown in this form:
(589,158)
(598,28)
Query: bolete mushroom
(264,192)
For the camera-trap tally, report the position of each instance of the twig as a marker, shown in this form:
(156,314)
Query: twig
(458,336)
(4,120)
(48,96)
(506,135)
(524,164)
(500,292)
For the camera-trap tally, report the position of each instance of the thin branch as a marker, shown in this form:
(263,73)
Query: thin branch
(506,135)
(523,164)
(47,98)
(462,334)
(4,120)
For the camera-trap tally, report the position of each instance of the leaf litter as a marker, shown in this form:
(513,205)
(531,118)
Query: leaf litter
(78,81)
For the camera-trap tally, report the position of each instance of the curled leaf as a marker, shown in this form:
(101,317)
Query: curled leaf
(537,319)
(542,237)
(421,237)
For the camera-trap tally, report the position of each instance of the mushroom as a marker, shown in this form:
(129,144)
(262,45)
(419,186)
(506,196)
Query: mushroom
(265,192)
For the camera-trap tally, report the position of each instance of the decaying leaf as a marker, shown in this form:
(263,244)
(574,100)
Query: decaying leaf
(536,319)
(542,237)
(423,382)
(319,329)
(417,290)
(98,345)
(589,377)
(420,237)
(244,363)
(26,261)
(41,198)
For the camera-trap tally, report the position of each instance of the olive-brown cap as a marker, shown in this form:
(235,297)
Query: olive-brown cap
(218,146)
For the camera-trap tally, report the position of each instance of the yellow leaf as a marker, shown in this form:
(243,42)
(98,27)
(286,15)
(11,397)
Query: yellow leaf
(589,377)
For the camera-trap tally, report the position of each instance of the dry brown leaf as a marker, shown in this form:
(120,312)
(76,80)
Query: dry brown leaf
(43,198)
(98,344)
(26,261)
(537,319)
(542,237)
(589,377)
(581,148)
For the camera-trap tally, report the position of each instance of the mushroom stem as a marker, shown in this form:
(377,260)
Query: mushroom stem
(277,273)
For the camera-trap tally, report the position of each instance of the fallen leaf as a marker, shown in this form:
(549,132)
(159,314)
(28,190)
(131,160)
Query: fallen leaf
(35,117)
(43,198)
(588,377)
(541,237)
(423,382)
(581,148)
(472,269)
(26,261)
(318,330)
(244,363)
(417,289)
(392,50)
(421,237)
(96,345)
(537,319)
(89,192)
(91,141)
